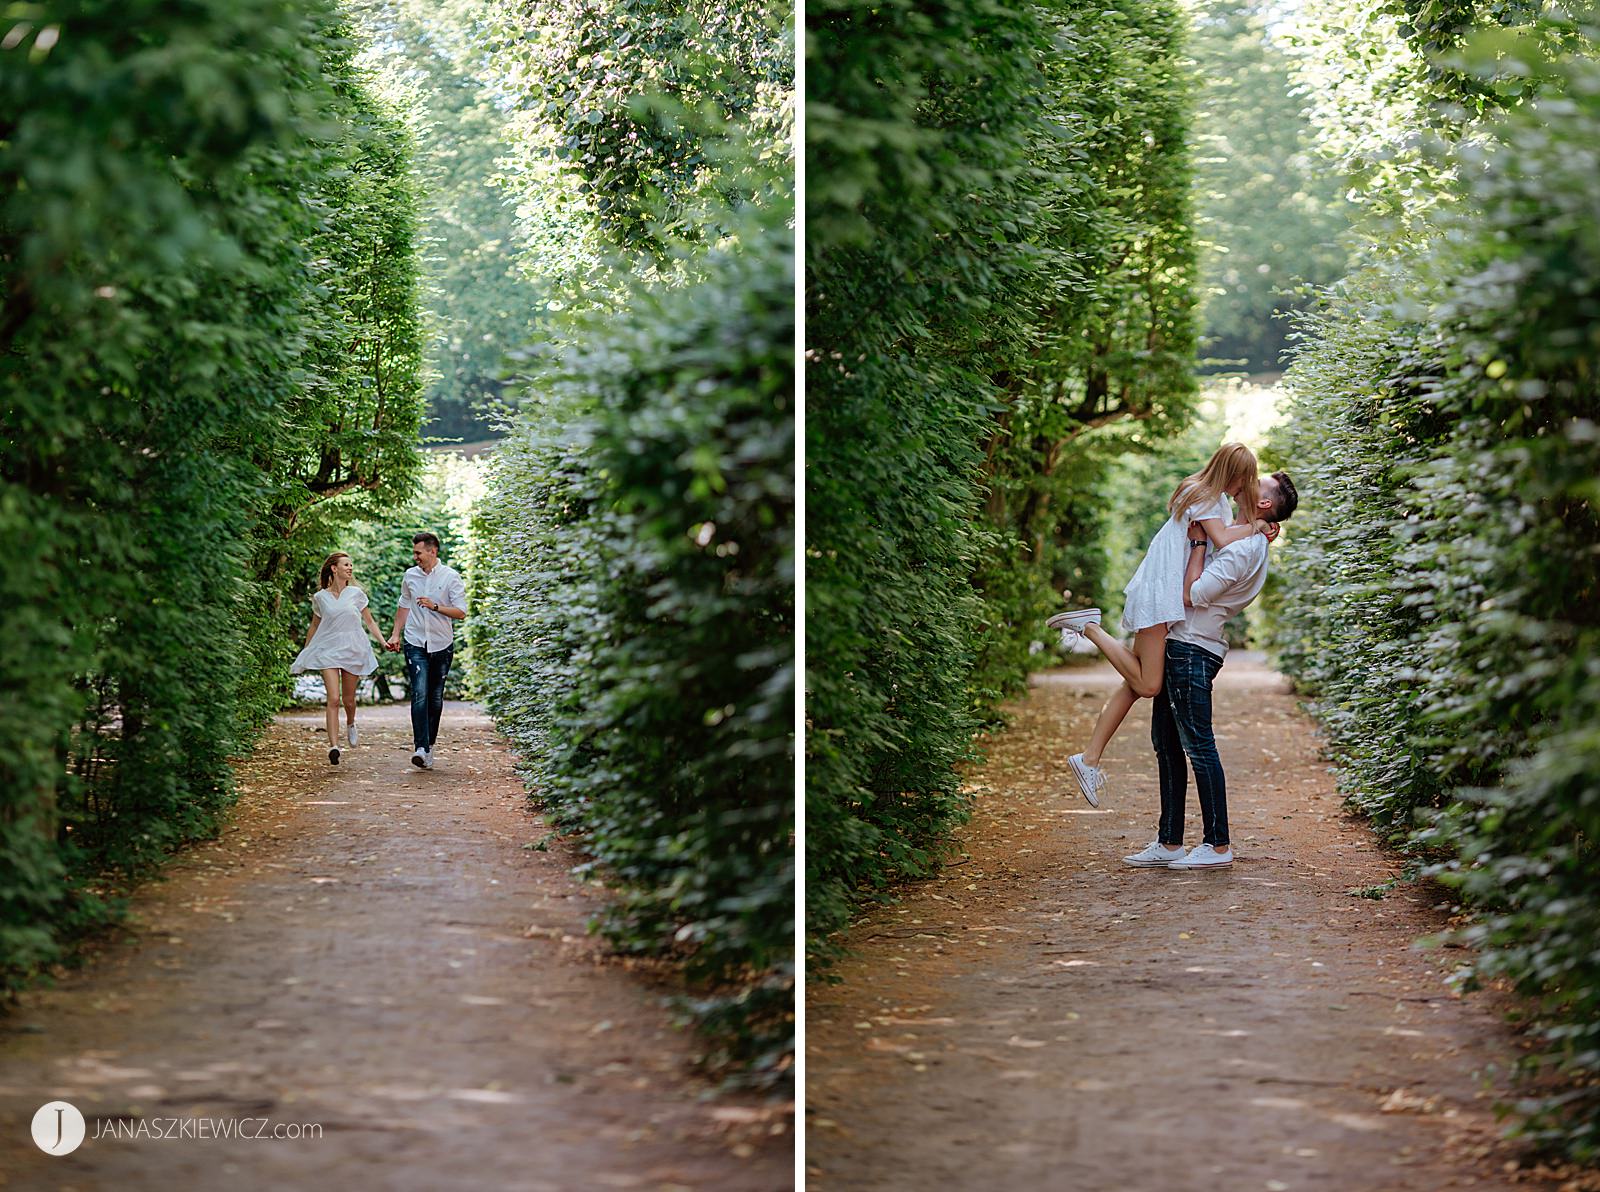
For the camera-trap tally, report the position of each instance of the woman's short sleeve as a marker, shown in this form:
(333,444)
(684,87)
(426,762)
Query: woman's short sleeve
(1220,511)
(316,602)
(361,600)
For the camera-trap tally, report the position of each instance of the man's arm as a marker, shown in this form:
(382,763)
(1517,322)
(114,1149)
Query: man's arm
(456,594)
(1227,568)
(1197,564)
(401,612)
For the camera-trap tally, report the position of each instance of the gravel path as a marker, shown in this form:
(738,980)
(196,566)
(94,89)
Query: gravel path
(1041,1016)
(373,948)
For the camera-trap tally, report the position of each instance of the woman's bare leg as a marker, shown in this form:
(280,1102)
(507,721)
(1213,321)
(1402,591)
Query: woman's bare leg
(1143,666)
(330,684)
(350,682)
(1111,718)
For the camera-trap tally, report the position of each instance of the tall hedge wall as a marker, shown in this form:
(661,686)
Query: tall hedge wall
(634,592)
(1442,586)
(999,261)
(208,335)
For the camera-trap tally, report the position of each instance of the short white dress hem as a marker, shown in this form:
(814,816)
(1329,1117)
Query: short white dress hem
(341,641)
(1154,596)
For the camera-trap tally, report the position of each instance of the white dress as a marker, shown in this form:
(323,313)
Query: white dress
(340,641)
(1154,596)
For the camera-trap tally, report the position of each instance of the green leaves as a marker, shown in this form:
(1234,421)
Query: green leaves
(999,261)
(1441,594)
(634,591)
(209,333)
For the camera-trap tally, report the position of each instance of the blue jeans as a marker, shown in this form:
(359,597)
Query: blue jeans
(425,674)
(1180,727)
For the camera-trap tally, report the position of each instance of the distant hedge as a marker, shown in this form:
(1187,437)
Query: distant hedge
(999,261)
(208,341)
(1442,583)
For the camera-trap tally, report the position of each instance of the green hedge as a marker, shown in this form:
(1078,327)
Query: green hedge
(1442,586)
(999,262)
(634,591)
(204,241)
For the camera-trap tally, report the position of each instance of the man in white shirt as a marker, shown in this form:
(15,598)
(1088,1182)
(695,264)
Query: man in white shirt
(432,598)
(1180,718)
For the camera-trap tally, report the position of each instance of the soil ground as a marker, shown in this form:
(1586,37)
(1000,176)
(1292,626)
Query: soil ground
(372,948)
(1041,1016)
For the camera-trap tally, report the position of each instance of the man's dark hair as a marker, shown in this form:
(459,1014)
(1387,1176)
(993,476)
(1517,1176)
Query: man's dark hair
(433,539)
(1288,499)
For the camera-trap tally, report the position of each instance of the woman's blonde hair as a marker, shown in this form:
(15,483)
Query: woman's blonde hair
(327,566)
(1234,465)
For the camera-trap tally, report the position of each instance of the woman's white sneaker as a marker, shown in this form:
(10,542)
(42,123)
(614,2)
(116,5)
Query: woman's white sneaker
(1154,855)
(1091,779)
(1077,619)
(351,735)
(1203,857)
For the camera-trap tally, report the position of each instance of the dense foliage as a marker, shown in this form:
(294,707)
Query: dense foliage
(634,586)
(1270,214)
(208,350)
(999,261)
(1443,592)
(480,302)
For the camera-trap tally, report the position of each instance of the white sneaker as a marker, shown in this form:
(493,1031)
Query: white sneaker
(419,759)
(351,735)
(1203,857)
(1091,779)
(1154,855)
(1077,619)
(333,756)
(427,759)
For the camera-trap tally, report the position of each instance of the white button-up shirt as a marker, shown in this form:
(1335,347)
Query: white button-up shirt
(1232,579)
(427,627)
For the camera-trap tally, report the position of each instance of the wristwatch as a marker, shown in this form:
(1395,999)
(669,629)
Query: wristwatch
(1193,543)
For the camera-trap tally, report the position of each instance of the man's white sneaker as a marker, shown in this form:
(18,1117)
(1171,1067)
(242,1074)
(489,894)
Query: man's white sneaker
(1203,857)
(1154,855)
(351,735)
(427,759)
(419,759)
(1091,779)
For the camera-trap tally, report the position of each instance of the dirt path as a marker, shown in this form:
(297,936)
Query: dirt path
(1043,1017)
(372,948)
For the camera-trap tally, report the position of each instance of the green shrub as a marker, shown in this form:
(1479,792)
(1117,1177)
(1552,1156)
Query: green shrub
(204,241)
(999,262)
(638,621)
(634,588)
(1443,594)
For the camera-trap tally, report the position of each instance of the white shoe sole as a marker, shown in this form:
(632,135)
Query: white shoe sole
(1078,620)
(1086,782)
(1148,864)
(1200,865)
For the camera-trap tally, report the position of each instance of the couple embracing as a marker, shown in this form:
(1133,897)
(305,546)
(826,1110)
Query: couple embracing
(432,597)
(1204,565)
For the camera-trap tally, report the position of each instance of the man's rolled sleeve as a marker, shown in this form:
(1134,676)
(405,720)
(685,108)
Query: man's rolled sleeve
(1230,565)
(458,594)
